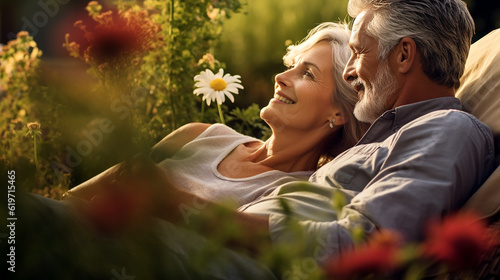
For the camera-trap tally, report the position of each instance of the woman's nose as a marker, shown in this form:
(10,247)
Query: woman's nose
(281,79)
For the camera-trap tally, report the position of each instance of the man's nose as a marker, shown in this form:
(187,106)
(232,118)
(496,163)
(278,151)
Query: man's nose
(349,71)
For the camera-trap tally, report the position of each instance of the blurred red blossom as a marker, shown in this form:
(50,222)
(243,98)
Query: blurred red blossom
(378,256)
(111,43)
(460,240)
(118,208)
(111,38)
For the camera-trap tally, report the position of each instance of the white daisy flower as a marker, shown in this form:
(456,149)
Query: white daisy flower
(214,87)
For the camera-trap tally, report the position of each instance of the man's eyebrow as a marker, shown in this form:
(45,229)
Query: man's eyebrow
(310,64)
(353,43)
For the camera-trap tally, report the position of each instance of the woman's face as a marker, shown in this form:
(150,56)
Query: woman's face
(302,94)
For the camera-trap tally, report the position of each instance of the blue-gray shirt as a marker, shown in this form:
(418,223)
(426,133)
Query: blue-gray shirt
(416,163)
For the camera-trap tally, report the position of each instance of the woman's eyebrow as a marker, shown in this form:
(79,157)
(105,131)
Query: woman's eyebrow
(310,64)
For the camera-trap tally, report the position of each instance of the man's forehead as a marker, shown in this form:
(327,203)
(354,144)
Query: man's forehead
(362,20)
(360,24)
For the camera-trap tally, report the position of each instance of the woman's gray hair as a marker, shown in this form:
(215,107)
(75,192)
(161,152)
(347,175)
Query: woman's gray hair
(441,29)
(344,96)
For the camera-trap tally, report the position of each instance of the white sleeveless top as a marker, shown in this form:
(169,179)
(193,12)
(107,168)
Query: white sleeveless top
(194,169)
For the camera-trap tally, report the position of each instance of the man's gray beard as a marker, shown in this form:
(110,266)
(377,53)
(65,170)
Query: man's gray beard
(374,104)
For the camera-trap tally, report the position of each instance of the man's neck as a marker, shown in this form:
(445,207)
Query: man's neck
(421,89)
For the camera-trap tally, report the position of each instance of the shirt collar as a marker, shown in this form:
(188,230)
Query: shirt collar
(392,120)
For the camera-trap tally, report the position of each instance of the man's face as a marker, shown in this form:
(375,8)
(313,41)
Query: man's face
(372,79)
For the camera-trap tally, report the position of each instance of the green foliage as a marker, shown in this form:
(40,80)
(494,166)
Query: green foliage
(141,57)
(248,120)
(166,66)
(26,150)
(167,70)
(19,61)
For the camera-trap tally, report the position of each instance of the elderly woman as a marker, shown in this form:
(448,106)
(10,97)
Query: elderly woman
(311,117)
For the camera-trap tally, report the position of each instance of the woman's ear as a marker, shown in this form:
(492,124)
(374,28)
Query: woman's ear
(339,118)
(405,54)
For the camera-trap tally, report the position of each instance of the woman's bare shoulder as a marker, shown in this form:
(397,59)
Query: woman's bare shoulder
(174,141)
(191,130)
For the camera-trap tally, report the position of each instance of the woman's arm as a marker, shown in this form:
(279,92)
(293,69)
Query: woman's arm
(235,230)
(143,179)
(173,142)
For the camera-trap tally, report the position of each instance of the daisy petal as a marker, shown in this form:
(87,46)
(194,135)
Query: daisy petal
(199,91)
(232,79)
(220,97)
(234,87)
(207,100)
(230,96)
(219,74)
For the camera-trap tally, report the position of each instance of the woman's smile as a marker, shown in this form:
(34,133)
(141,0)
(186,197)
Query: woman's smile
(282,99)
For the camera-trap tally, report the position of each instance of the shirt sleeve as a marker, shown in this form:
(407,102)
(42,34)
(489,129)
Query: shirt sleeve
(302,217)
(427,169)
(317,239)
(433,165)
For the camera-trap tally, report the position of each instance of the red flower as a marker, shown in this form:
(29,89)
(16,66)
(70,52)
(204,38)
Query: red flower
(378,256)
(112,42)
(112,38)
(118,208)
(460,241)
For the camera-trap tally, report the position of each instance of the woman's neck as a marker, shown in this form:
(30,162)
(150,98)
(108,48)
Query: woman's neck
(290,152)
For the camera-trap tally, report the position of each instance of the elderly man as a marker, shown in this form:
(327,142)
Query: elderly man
(422,156)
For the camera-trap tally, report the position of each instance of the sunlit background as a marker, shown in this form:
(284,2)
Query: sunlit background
(253,40)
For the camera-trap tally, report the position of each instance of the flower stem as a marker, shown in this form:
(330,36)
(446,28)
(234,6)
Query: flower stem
(220,114)
(36,154)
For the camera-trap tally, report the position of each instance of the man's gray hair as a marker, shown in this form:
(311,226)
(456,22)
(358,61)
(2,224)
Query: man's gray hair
(442,30)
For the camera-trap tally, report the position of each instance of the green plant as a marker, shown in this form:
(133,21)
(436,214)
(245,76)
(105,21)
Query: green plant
(23,100)
(141,57)
(163,68)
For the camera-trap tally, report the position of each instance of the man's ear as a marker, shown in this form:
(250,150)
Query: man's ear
(405,53)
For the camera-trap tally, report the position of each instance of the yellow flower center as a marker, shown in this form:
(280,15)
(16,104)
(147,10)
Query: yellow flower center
(218,84)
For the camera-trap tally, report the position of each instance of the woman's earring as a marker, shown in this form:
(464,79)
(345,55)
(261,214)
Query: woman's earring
(331,123)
